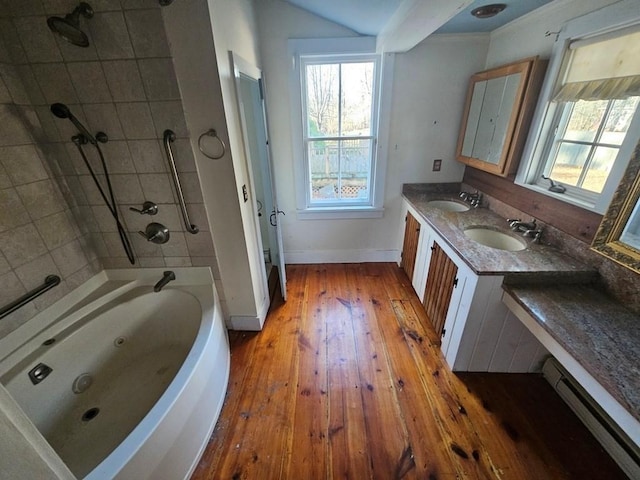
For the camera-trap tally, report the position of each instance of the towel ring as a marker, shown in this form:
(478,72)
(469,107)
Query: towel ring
(214,134)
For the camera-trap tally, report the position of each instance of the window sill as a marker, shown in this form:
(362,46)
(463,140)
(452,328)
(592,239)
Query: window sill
(333,213)
(560,196)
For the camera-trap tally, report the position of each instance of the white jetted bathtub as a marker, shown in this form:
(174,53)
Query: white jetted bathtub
(137,378)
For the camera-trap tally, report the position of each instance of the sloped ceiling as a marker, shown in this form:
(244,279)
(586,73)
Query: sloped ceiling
(369,17)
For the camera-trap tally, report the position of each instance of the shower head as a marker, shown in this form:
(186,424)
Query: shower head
(69,26)
(60,110)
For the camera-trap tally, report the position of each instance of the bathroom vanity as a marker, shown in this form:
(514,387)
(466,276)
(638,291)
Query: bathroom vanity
(459,280)
(505,303)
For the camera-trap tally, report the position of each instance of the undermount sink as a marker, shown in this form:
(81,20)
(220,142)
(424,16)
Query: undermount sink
(448,205)
(495,239)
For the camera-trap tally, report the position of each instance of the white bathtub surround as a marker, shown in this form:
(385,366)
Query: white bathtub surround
(158,365)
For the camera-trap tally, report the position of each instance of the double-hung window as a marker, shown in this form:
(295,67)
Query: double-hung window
(591,121)
(336,142)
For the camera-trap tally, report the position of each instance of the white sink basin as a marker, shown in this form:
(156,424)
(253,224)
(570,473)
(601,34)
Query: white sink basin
(448,205)
(494,239)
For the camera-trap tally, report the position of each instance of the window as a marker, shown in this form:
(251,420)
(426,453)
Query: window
(338,105)
(337,147)
(587,141)
(588,119)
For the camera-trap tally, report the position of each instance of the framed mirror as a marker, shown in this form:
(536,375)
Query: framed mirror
(498,109)
(618,237)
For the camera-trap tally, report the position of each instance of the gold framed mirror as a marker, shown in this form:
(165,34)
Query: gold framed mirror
(618,237)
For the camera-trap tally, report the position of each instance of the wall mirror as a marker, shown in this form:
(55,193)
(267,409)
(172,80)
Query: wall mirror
(618,237)
(498,110)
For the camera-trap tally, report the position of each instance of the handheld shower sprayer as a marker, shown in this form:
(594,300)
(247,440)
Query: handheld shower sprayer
(60,110)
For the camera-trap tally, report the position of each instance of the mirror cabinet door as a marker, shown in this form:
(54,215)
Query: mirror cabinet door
(499,106)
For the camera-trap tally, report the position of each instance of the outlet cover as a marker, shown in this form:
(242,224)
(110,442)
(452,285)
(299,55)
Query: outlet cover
(437,164)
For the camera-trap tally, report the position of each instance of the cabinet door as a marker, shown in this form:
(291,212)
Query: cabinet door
(441,280)
(410,244)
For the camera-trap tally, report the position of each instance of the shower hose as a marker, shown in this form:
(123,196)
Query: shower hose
(80,140)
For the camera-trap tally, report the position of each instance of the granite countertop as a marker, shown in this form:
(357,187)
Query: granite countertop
(602,335)
(543,260)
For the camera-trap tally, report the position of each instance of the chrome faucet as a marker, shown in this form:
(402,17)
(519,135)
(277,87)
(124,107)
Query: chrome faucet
(474,199)
(167,276)
(528,229)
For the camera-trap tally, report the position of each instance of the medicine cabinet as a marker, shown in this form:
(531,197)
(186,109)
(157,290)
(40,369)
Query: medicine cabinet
(498,110)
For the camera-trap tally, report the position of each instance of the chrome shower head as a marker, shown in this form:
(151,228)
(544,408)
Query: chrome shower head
(60,110)
(69,26)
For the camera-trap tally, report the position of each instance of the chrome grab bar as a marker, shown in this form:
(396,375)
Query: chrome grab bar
(49,282)
(169,137)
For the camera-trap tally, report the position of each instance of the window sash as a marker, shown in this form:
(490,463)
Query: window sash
(558,139)
(373,127)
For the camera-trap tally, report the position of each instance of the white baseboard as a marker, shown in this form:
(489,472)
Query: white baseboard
(245,322)
(341,256)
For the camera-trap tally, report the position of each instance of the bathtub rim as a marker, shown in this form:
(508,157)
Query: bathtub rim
(99,290)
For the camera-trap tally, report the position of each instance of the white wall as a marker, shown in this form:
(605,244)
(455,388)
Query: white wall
(429,86)
(525,37)
(204,75)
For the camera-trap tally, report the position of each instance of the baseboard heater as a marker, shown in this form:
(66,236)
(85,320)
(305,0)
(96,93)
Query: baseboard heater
(615,441)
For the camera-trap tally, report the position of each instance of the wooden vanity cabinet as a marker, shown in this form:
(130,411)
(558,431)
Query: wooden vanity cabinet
(478,332)
(410,244)
(441,280)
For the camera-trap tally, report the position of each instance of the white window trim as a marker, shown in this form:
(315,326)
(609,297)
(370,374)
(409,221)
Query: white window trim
(614,17)
(340,46)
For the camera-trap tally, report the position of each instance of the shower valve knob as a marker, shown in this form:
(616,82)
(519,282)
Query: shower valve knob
(148,208)
(156,233)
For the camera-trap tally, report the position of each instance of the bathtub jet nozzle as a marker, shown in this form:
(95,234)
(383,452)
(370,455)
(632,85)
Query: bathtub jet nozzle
(167,276)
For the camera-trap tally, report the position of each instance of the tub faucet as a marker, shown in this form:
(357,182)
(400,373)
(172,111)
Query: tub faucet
(167,276)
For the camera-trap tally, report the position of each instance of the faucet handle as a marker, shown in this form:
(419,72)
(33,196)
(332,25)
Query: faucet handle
(148,208)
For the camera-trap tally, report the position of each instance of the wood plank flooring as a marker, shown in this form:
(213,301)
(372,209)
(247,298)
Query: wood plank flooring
(347,381)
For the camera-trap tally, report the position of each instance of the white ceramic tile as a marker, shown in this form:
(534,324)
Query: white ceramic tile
(117,157)
(145,248)
(55,83)
(183,154)
(147,33)
(147,156)
(110,35)
(159,79)
(37,40)
(136,121)
(14,131)
(200,244)
(103,217)
(23,164)
(176,246)
(127,189)
(13,213)
(11,41)
(21,245)
(69,258)
(169,115)
(41,198)
(56,230)
(102,117)
(177,261)
(89,81)
(123,78)
(157,187)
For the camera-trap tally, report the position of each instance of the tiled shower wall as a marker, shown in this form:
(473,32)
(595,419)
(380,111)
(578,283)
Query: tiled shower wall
(52,217)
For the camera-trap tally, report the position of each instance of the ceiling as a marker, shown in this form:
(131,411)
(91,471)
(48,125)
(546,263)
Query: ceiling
(368,17)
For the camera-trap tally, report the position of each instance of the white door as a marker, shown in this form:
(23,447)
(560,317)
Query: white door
(250,92)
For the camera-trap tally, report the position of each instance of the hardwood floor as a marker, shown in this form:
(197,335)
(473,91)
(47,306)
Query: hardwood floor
(347,381)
